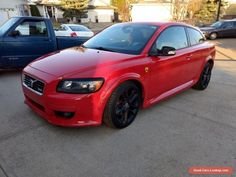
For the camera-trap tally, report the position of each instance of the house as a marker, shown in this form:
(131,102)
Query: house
(48,8)
(152,10)
(230,12)
(11,8)
(99,11)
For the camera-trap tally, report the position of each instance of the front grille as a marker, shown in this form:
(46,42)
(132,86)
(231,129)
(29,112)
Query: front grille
(33,84)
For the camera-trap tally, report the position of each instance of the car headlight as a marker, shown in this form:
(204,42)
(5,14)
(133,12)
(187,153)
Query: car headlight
(80,86)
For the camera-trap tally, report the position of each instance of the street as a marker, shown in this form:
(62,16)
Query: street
(194,128)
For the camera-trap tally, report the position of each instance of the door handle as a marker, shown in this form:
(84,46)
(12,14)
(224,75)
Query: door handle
(189,57)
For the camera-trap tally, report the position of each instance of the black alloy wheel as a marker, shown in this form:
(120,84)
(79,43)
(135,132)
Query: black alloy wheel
(204,78)
(123,106)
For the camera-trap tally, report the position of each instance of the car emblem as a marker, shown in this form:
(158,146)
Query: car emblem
(32,82)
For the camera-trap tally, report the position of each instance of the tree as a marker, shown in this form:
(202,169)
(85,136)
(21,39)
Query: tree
(208,11)
(123,8)
(34,11)
(179,10)
(74,8)
(193,7)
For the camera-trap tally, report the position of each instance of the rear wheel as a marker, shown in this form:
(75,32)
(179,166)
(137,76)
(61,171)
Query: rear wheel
(123,106)
(213,36)
(205,78)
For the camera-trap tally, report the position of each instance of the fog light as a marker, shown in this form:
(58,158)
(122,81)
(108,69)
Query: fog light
(66,115)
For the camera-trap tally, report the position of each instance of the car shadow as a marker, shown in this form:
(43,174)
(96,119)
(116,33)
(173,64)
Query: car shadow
(10,72)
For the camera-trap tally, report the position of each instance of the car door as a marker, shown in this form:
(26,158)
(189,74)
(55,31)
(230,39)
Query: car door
(234,28)
(169,72)
(62,31)
(198,52)
(29,40)
(227,29)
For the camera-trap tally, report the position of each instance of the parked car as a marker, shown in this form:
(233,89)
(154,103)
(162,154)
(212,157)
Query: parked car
(224,28)
(23,39)
(74,30)
(113,74)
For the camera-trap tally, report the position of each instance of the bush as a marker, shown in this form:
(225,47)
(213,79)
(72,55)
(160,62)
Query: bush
(34,11)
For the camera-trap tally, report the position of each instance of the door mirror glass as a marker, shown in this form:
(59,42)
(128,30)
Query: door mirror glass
(15,33)
(166,51)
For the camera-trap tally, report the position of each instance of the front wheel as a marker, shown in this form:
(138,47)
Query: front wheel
(123,106)
(213,36)
(205,78)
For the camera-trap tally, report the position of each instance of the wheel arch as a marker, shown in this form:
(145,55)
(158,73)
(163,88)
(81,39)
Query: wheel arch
(211,61)
(216,32)
(131,77)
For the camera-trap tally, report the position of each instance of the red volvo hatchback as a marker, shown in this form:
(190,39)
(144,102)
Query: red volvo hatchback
(125,67)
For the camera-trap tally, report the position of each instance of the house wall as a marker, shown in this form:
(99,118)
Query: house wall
(42,11)
(11,8)
(103,15)
(100,2)
(151,12)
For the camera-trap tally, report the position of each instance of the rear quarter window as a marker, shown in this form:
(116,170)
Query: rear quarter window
(195,37)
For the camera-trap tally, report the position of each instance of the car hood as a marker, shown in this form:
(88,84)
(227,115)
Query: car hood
(77,60)
(207,28)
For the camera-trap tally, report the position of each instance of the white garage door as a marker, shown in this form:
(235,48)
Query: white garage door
(5,15)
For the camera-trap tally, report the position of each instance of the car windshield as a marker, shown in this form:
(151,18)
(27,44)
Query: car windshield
(123,38)
(217,24)
(79,28)
(7,25)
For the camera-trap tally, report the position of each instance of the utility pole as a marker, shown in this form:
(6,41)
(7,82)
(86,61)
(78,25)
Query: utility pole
(218,11)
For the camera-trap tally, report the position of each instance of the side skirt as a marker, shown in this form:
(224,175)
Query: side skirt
(169,93)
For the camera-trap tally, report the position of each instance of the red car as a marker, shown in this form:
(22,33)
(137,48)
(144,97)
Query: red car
(126,67)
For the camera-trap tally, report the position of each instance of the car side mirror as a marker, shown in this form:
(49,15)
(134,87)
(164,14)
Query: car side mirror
(168,51)
(15,33)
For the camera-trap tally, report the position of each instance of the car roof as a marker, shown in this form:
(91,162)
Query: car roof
(159,23)
(163,24)
(73,25)
(30,17)
(228,20)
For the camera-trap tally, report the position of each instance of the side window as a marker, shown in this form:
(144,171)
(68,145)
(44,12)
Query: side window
(62,28)
(32,28)
(235,24)
(195,36)
(227,25)
(172,37)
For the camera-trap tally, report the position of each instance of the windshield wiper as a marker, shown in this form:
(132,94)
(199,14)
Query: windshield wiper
(103,48)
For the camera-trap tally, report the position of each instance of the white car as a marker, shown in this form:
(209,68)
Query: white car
(74,30)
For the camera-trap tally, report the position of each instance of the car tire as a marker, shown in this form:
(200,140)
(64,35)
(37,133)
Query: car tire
(213,36)
(205,78)
(122,106)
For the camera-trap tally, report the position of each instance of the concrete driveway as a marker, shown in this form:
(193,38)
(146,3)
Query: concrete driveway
(195,128)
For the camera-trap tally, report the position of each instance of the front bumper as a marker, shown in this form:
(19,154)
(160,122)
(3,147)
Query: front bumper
(206,34)
(87,109)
